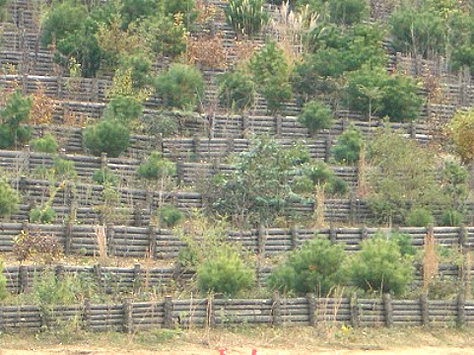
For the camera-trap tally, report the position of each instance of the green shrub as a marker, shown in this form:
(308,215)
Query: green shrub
(9,199)
(318,267)
(348,146)
(42,215)
(156,167)
(419,217)
(225,273)
(170,216)
(182,86)
(246,17)
(123,108)
(110,137)
(46,144)
(316,116)
(16,111)
(64,169)
(451,218)
(104,176)
(379,266)
(141,69)
(236,91)
(461,131)
(348,12)
(276,92)
(161,124)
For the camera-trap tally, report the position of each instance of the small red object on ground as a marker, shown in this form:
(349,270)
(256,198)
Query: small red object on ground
(254,351)
(222,351)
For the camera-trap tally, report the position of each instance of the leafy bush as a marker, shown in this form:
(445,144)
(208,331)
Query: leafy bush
(246,17)
(156,167)
(316,116)
(236,91)
(16,111)
(312,174)
(461,131)
(35,244)
(46,144)
(161,124)
(451,218)
(42,215)
(348,146)
(379,266)
(64,169)
(317,267)
(182,86)
(169,216)
(348,12)
(109,136)
(225,273)
(419,217)
(9,199)
(104,176)
(123,108)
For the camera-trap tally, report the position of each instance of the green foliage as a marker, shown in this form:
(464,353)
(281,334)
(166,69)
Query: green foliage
(348,12)
(348,146)
(64,169)
(182,86)
(419,217)
(108,136)
(461,131)
(16,111)
(141,69)
(169,216)
(403,172)
(257,191)
(72,30)
(123,108)
(316,116)
(270,72)
(156,167)
(317,267)
(372,91)
(318,174)
(246,17)
(36,245)
(3,283)
(379,266)
(162,124)
(9,199)
(225,273)
(451,218)
(455,184)
(417,31)
(236,91)
(42,215)
(104,176)
(45,144)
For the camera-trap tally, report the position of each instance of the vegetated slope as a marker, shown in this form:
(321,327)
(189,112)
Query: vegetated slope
(344,65)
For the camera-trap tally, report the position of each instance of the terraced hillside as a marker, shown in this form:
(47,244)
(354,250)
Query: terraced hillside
(97,215)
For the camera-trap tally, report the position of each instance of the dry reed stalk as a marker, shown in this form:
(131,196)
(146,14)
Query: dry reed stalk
(101,240)
(361,174)
(430,260)
(319,206)
(467,281)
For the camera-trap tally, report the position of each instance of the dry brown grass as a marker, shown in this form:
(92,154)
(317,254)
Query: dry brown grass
(430,260)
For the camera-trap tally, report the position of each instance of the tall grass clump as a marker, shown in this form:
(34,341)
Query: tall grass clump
(246,17)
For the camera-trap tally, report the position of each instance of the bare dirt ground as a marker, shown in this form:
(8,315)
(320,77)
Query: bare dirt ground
(241,341)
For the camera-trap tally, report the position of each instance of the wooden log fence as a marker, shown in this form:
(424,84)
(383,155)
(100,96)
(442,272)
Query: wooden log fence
(142,242)
(130,316)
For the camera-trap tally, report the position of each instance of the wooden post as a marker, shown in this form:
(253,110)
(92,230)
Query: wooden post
(179,174)
(245,125)
(22,279)
(137,278)
(137,217)
(261,239)
(59,272)
(276,309)
(98,276)
(327,149)
(278,125)
(332,234)
(110,233)
(461,310)
(388,309)
(354,308)
(68,237)
(103,161)
(364,233)
(352,210)
(425,312)
(211,316)
(196,143)
(151,241)
(294,237)
(230,147)
(86,315)
(127,308)
(168,313)
(313,320)
(463,238)
(412,130)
